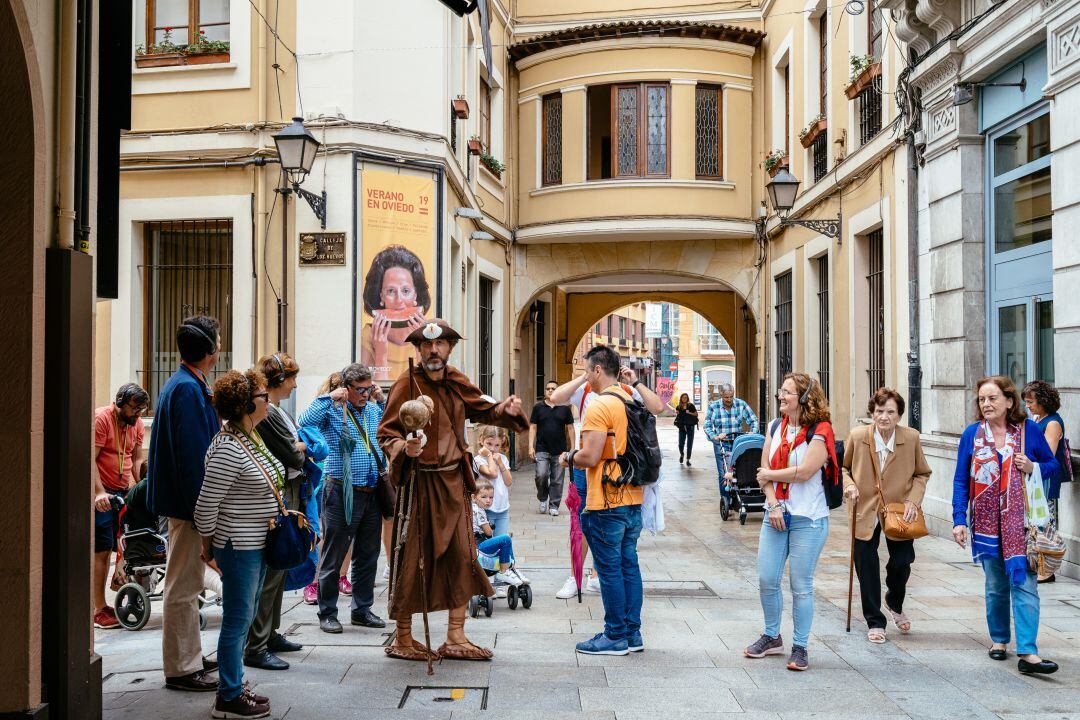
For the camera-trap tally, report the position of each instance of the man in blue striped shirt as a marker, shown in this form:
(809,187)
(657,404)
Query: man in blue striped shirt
(724,420)
(348,418)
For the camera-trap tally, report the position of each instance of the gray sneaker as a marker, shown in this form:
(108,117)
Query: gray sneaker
(799,659)
(765,645)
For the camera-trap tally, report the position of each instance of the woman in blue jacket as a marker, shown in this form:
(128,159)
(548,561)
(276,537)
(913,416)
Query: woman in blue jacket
(988,494)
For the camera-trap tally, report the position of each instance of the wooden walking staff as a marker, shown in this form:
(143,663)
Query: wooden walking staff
(415,415)
(851,566)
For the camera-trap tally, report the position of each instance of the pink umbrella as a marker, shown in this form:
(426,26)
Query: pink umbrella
(577,562)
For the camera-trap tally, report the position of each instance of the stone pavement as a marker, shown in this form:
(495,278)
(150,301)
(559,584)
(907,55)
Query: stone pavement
(701,608)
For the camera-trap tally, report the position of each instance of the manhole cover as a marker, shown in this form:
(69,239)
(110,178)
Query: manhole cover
(435,697)
(677,588)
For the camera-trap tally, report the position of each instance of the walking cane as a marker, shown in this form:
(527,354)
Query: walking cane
(420,542)
(851,567)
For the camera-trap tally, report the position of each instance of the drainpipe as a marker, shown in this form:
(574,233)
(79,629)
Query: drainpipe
(914,363)
(65,123)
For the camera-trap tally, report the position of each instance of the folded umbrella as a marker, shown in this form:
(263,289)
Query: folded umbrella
(577,562)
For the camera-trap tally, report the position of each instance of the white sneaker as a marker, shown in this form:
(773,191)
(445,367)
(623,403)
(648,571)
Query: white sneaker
(514,571)
(568,590)
(593,586)
(554,512)
(386,573)
(543,507)
(500,592)
(509,577)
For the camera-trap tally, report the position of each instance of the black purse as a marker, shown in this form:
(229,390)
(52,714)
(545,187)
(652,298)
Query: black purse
(290,538)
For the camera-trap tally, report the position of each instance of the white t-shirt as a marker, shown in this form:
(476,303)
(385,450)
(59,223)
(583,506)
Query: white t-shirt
(501,501)
(806,498)
(580,400)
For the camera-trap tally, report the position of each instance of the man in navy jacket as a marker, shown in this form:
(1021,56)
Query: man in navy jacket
(184,424)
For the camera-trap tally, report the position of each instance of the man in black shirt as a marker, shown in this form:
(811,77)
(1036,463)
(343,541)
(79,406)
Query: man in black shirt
(550,434)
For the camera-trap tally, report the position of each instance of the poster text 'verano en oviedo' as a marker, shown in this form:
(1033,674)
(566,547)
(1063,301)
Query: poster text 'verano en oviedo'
(386,200)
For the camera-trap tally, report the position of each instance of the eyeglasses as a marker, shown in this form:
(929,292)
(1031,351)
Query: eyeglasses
(781,392)
(366,390)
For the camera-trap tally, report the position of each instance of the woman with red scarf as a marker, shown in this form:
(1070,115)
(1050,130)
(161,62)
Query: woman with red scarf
(797,513)
(988,490)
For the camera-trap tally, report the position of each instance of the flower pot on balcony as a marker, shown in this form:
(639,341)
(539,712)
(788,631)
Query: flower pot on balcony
(150,60)
(474,147)
(776,168)
(206,58)
(461,107)
(862,82)
(815,129)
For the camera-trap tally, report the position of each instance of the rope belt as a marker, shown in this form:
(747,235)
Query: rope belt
(434,468)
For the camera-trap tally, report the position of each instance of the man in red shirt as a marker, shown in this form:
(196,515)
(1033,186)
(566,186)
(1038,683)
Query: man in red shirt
(118,459)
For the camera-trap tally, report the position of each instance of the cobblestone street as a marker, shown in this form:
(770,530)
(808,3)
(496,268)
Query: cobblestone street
(701,608)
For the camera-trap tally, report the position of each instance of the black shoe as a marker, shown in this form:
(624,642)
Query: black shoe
(241,706)
(680,459)
(209,665)
(330,625)
(197,681)
(279,644)
(997,653)
(367,619)
(265,660)
(1044,667)
(687,463)
(1048,579)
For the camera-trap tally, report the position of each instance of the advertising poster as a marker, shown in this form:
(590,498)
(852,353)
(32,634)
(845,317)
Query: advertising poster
(654,320)
(397,235)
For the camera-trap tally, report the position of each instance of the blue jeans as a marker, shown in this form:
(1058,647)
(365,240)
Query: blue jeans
(802,543)
(613,536)
(242,574)
(721,468)
(499,521)
(1025,607)
(501,545)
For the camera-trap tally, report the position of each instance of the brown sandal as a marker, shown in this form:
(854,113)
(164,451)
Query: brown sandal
(418,652)
(464,651)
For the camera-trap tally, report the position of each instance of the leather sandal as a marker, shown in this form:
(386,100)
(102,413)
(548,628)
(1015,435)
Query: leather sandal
(876,635)
(903,624)
(418,651)
(464,651)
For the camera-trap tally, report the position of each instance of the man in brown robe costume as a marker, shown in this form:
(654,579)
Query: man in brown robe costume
(434,481)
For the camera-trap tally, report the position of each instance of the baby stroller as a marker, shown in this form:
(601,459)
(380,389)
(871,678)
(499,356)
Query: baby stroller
(741,479)
(145,552)
(514,594)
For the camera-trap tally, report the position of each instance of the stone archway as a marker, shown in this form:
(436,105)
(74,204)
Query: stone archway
(25,219)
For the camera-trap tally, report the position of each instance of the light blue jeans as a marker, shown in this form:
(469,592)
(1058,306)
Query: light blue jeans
(802,543)
(242,573)
(499,521)
(1025,607)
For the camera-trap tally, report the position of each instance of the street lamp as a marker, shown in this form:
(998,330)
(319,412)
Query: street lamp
(782,191)
(296,148)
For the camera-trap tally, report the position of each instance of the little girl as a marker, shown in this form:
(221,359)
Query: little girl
(493,547)
(492,466)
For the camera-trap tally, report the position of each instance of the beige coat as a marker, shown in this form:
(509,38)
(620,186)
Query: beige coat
(905,475)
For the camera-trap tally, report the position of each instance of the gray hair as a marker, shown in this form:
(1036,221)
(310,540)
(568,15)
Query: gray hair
(726,388)
(355,373)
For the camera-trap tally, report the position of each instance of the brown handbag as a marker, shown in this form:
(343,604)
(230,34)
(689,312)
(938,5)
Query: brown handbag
(892,519)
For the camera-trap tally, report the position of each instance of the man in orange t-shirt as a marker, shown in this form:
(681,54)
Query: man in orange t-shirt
(612,518)
(118,459)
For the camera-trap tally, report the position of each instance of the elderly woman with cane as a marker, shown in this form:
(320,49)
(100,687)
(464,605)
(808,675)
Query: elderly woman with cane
(989,493)
(885,472)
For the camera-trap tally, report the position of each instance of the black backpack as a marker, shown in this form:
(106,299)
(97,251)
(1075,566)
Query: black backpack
(831,481)
(640,464)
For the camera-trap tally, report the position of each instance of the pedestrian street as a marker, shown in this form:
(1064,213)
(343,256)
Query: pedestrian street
(701,608)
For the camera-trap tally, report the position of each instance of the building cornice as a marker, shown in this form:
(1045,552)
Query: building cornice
(634,43)
(616,229)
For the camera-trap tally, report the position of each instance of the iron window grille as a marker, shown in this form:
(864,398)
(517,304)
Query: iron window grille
(820,151)
(487,326)
(782,313)
(709,132)
(875,283)
(868,108)
(552,139)
(188,271)
(540,335)
(824,329)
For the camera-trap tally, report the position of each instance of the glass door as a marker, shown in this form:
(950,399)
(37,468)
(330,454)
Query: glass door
(1025,339)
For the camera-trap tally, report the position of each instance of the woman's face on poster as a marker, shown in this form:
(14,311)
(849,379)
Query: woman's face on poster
(398,291)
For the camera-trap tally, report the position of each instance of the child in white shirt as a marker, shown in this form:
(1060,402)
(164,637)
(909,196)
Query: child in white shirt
(491,465)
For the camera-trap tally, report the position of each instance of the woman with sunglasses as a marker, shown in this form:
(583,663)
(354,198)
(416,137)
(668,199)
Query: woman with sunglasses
(236,503)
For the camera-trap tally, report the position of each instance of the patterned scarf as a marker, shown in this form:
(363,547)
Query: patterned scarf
(782,457)
(997,502)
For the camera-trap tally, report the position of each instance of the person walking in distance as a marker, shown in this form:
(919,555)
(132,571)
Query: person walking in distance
(577,394)
(686,420)
(612,521)
(184,424)
(281,435)
(348,418)
(724,420)
(551,433)
(118,460)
